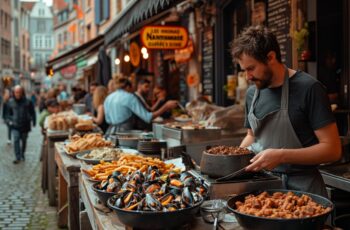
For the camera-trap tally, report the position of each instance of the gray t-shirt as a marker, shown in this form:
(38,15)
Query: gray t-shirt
(309,108)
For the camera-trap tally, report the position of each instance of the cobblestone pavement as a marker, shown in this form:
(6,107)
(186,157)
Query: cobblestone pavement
(22,203)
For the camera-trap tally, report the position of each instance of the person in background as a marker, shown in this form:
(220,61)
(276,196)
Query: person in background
(88,97)
(143,89)
(33,98)
(121,108)
(62,95)
(160,98)
(99,96)
(52,106)
(20,114)
(290,125)
(41,100)
(5,113)
(111,86)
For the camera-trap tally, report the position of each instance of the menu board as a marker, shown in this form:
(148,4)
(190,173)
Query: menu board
(278,18)
(207,62)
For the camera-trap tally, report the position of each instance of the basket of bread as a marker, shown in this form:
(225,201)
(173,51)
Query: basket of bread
(62,121)
(78,144)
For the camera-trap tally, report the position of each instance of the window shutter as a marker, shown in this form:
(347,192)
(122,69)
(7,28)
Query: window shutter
(105,9)
(97,12)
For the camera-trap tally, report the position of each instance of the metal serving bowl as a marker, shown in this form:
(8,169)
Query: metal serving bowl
(263,223)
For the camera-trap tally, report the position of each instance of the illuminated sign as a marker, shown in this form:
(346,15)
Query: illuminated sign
(164,37)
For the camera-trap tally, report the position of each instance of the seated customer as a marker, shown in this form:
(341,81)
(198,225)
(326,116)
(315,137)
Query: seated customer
(122,107)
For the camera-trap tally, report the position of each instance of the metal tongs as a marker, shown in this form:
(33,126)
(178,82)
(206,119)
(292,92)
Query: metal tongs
(181,107)
(232,175)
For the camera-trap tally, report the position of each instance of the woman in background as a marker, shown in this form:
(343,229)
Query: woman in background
(98,99)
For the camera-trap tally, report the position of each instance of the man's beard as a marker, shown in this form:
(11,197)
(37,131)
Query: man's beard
(265,81)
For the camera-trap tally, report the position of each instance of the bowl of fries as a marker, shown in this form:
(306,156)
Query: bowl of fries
(127,163)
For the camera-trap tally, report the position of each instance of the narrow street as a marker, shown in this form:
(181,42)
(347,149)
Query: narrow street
(22,203)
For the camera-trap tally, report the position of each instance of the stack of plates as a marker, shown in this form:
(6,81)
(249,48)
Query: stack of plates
(151,146)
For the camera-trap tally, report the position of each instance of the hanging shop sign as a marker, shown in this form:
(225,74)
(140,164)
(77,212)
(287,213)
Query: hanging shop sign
(164,37)
(135,54)
(69,72)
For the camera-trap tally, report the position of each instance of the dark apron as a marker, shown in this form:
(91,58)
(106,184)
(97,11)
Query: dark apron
(275,130)
(124,126)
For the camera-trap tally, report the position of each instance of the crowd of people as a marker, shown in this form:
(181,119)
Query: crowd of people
(113,108)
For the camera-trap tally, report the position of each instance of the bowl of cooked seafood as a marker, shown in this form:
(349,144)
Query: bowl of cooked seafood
(280,209)
(151,200)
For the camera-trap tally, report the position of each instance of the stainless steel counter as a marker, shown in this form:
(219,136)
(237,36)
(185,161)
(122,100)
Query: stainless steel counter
(337,176)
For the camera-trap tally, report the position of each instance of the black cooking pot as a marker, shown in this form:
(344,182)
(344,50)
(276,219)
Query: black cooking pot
(216,165)
(343,221)
(153,219)
(102,195)
(262,223)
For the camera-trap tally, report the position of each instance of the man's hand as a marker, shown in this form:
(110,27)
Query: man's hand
(267,159)
(171,104)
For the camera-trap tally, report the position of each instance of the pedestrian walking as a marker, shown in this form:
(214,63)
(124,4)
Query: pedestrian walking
(20,114)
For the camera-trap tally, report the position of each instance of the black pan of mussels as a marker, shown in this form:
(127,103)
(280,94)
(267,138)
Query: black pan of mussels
(155,219)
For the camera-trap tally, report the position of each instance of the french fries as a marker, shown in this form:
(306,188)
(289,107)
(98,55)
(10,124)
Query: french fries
(127,164)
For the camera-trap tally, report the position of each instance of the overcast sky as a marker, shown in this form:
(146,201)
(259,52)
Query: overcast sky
(48,2)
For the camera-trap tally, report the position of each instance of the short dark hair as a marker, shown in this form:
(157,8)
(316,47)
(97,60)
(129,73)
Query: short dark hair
(257,42)
(51,102)
(123,83)
(94,83)
(144,81)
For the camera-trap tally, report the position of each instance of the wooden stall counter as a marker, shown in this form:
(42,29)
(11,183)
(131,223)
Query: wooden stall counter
(49,165)
(102,218)
(68,188)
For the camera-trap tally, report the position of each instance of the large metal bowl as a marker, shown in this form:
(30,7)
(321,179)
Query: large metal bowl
(263,223)
(154,219)
(79,108)
(102,194)
(129,139)
(215,165)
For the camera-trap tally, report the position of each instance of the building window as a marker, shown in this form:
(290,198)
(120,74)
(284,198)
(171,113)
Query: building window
(119,6)
(41,26)
(88,32)
(88,3)
(101,11)
(5,47)
(24,62)
(1,17)
(65,37)
(17,57)
(23,42)
(16,26)
(48,41)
